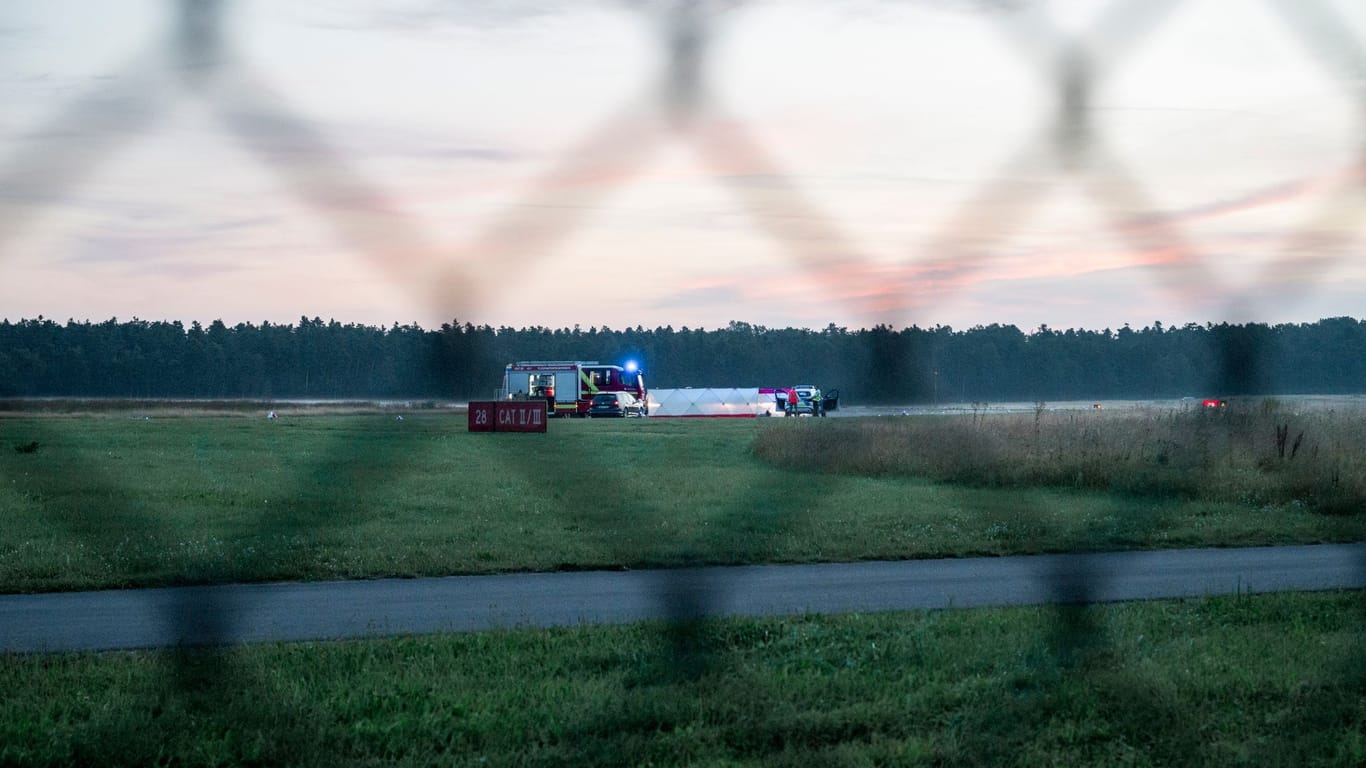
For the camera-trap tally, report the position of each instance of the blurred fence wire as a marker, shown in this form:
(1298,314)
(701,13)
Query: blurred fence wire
(202,61)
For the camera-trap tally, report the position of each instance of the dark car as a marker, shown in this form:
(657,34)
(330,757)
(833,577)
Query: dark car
(615,404)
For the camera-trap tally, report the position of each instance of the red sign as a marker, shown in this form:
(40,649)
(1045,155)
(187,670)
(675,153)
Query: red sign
(520,416)
(482,415)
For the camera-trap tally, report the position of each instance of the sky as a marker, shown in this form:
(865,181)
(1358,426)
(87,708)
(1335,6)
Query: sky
(683,162)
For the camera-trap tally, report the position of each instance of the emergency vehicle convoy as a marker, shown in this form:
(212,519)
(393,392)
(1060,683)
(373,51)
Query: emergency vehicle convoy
(568,386)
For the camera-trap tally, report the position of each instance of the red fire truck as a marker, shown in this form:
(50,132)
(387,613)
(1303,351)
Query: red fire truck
(568,386)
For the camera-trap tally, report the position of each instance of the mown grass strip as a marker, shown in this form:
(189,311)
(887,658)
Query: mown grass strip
(1249,680)
(131,501)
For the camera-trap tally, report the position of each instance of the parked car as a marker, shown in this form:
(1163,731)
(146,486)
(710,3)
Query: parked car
(615,404)
(804,404)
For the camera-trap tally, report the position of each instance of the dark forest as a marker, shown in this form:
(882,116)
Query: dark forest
(327,359)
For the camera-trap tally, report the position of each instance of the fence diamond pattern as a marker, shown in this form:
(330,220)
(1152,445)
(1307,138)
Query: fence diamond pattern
(202,62)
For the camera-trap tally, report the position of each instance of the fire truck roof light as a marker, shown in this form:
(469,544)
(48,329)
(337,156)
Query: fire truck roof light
(631,366)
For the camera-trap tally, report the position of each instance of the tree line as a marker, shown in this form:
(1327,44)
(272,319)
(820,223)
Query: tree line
(328,359)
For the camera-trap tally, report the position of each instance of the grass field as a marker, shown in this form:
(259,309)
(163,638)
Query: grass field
(1253,453)
(127,499)
(1258,681)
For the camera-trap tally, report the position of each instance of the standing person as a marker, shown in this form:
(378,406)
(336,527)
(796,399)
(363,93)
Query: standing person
(816,403)
(792,400)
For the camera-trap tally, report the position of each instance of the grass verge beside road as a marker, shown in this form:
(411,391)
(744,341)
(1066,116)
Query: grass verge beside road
(126,500)
(1248,680)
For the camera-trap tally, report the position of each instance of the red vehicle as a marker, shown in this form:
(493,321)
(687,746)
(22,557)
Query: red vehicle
(568,386)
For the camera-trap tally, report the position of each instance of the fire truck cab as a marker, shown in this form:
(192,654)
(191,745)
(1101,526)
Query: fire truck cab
(568,386)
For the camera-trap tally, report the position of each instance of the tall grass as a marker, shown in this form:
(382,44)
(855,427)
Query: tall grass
(1256,454)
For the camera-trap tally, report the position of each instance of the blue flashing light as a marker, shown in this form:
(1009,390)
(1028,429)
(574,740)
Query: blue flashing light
(631,366)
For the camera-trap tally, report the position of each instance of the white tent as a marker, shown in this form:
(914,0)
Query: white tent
(711,402)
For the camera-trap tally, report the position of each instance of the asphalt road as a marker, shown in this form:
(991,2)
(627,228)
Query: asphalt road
(89,621)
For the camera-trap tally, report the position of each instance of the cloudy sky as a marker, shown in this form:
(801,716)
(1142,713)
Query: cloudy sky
(662,162)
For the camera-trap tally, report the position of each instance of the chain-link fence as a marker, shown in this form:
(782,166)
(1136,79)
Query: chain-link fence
(907,271)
